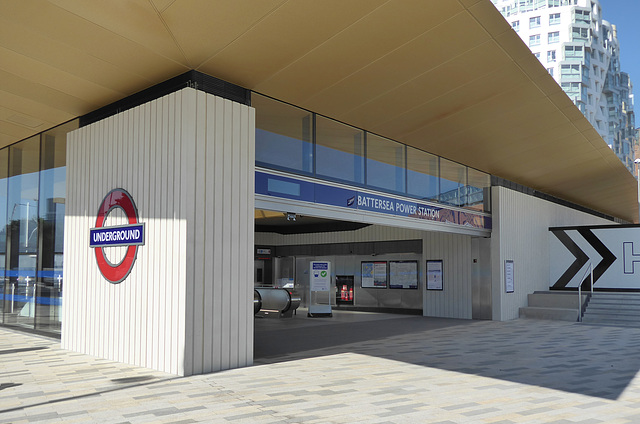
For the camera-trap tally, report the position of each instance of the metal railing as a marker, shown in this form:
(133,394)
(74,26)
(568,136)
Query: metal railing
(590,270)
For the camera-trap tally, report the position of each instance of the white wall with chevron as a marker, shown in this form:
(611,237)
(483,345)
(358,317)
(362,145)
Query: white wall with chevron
(521,234)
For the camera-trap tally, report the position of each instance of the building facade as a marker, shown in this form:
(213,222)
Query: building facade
(150,180)
(194,165)
(581,51)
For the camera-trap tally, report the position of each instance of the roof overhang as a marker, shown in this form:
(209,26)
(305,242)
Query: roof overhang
(449,77)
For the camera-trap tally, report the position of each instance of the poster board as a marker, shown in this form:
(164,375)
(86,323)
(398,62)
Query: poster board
(320,276)
(319,288)
(374,275)
(509,284)
(403,274)
(435,277)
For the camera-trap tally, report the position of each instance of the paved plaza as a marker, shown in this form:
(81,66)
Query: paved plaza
(372,369)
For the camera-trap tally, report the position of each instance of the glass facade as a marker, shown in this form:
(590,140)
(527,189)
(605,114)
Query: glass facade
(288,138)
(292,139)
(32,198)
(283,136)
(386,164)
(339,151)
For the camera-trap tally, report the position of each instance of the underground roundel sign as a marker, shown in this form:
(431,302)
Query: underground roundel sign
(130,235)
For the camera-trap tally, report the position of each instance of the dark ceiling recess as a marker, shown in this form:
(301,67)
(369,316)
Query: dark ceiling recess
(303,225)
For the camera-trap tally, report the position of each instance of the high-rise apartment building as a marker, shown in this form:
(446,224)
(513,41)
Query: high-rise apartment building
(581,51)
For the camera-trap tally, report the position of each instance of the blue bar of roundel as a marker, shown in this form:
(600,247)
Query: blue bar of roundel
(138,240)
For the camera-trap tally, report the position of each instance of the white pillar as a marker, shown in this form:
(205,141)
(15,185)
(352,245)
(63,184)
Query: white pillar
(187,159)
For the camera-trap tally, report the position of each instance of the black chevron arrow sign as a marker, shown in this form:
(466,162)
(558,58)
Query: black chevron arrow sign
(608,257)
(581,258)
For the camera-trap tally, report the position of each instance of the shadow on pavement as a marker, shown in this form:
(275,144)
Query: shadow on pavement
(589,360)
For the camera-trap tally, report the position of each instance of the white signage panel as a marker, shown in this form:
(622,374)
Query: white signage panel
(612,251)
(320,288)
(434,275)
(320,276)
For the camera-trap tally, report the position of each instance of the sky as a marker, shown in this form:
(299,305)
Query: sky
(625,14)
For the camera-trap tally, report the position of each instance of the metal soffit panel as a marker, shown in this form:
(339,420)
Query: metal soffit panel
(448,77)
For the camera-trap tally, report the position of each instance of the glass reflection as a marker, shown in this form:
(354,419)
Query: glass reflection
(22,232)
(422,174)
(292,139)
(283,135)
(32,201)
(51,219)
(478,191)
(385,164)
(4,174)
(339,151)
(453,181)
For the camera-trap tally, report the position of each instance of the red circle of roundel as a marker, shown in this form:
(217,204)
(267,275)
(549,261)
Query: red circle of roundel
(114,199)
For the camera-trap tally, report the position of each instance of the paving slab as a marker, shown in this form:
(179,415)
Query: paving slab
(406,370)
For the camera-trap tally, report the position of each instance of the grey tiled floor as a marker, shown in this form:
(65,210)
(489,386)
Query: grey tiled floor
(378,369)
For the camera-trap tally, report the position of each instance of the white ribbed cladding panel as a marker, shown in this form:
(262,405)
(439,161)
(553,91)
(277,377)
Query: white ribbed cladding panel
(454,301)
(187,159)
(521,233)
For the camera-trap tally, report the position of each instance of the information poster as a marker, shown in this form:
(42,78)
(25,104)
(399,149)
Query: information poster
(403,274)
(320,276)
(434,275)
(509,277)
(374,275)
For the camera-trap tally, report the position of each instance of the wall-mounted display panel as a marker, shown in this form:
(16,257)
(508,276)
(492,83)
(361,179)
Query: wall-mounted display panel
(435,278)
(403,274)
(509,284)
(374,275)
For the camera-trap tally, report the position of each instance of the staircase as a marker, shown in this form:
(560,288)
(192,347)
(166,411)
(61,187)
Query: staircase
(552,305)
(621,309)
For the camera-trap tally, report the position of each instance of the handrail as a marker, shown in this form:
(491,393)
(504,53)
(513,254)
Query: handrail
(590,271)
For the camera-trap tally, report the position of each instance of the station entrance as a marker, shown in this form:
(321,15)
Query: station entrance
(377,273)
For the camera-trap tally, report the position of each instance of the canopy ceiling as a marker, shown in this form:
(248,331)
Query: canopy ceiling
(449,77)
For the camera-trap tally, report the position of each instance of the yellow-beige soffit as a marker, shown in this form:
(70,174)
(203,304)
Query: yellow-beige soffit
(449,77)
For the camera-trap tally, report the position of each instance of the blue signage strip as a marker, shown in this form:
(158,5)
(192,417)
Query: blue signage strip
(291,188)
(123,235)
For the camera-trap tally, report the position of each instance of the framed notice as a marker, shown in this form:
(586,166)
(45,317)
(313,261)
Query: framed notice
(403,274)
(435,280)
(509,276)
(374,275)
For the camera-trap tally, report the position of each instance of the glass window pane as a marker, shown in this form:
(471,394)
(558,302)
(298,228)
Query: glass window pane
(478,186)
(4,174)
(385,164)
(339,151)
(453,179)
(422,174)
(51,214)
(22,237)
(283,135)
